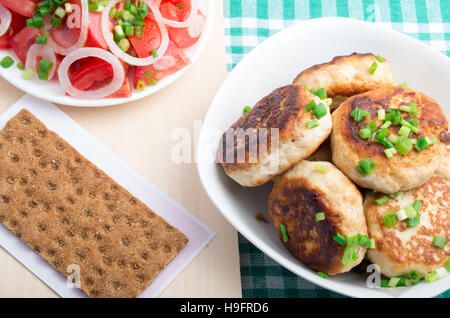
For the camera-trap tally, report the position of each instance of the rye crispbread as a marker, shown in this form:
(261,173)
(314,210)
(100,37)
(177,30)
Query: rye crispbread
(70,212)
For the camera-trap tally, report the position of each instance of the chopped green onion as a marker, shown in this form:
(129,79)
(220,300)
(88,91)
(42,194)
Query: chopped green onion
(379,58)
(413,222)
(417,205)
(43,75)
(382,200)
(340,239)
(386,124)
(447,265)
(68,7)
(366,166)
(93,6)
(320,167)
(28,74)
(373,68)
(56,21)
(405,108)
(180,6)
(41,40)
(393,282)
(60,12)
(404,84)
(365,133)
(413,122)
(310,105)
(246,110)
(148,74)
(422,144)
(404,131)
(372,244)
(364,240)
(20,66)
(319,110)
(439,241)
(372,126)
(312,124)
(320,216)
(431,277)
(154,53)
(410,212)
(124,44)
(390,219)
(352,239)
(414,277)
(347,256)
(284,233)
(401,215)
(6,62)
(413,112)
(384,283)
(45,65)
(407,124)
(393,138)
(390,152)
(381,114)
(403,145)
(140,85)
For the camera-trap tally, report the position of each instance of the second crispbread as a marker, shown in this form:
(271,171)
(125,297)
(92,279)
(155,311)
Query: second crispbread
(71,212)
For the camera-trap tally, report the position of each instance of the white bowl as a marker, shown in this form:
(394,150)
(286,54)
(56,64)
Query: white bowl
(53,92)
(275,63)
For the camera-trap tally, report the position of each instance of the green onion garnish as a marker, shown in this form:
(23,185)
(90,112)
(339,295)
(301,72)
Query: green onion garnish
(447,265)
(180,6)
(417,205)
(413,112)
(410,212)
(404,84)
(154,53)
(312,124)
(347,256)
(413,222)
(379,58)
(366,166)
(284,233)
(340,239)
(41,40)
(382,200)
(358,114)
(393,282)
(373,68)
(246,110)
(20,66)
(404,131)
(390,152)
(414,277)
(319,110)
(140,85)
(45,65)
(320,167)
(6,62)
(310,105)
(439,241)
(320,216)
(403,145)
(28,74)
(365,133)
(372,126)
(390,219)
(381,114)
(422,144)
(431,277)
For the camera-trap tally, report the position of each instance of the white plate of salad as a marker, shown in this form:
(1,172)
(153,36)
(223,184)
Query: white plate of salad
(93,53)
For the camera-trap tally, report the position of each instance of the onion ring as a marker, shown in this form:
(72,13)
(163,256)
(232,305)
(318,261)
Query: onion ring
(114,48)
(5,20)
(112,87)
(187,21)
(38,50)
(83,30)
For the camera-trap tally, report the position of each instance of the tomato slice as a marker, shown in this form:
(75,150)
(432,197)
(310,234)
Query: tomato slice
(18,22)
(22,41)
(181,38)
(95,35)
(150,40)
(92,73)
(175,9)
(181,60)
(94,70)
(22,7)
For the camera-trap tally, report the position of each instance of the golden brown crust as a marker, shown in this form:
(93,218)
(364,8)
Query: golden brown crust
(348,147)
(281,109)
(400,249)
(340,81)
(310,241)
(295,200)
(71,212)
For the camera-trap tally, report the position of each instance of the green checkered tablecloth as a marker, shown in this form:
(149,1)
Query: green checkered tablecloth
(249,22)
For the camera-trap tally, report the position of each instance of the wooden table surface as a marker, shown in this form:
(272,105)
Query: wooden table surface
(141,134)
